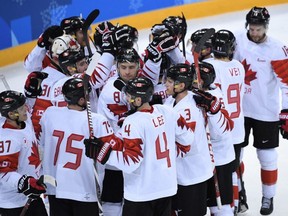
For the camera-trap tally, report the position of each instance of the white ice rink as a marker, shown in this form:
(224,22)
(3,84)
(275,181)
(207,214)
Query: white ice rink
(278,28)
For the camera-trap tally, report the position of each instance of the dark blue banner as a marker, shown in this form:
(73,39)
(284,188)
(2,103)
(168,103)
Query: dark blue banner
(24,20)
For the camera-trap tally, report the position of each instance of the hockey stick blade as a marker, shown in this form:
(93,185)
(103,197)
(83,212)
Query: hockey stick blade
(89,20)
(203,39)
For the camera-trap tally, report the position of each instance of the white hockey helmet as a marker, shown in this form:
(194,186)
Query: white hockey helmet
(62,43)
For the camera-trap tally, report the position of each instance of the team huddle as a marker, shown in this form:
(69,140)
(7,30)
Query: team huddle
(158,133)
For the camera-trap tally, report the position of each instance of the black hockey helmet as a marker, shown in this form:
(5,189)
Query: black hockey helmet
(72,24)
(223,43)
(140,87)
(10,101)
(177,25)
(197,35)
(258,15)
(69,58)
(128,55)
(73,90)
(207,73)
(128,42)
(181,73)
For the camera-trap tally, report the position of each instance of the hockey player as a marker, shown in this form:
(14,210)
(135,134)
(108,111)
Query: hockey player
(147,156)
(54,72)
(265,61)
(230,79)
(20,164)
(63,133)
(73,63)
(112,105)
(40,56)
(193,184)
(222,146)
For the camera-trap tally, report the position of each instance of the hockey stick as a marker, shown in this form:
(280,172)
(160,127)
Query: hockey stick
(44,179)
(89,20)
(196,53)
(183,38)
(91,136)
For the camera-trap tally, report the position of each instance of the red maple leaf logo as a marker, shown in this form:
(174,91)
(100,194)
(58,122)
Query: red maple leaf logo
(281,69)
(182,123)
(34,158)
(249,74)
(117,109)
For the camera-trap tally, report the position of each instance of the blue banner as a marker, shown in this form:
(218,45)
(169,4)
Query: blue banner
(22,21)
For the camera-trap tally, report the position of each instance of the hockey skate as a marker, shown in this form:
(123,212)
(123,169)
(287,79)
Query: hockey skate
(267,206)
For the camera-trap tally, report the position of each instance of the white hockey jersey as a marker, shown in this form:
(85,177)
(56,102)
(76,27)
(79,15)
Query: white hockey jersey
(19,155)
(266,67)
(222,141)
(230,79)
(148,156)
(63,133)
(196,166)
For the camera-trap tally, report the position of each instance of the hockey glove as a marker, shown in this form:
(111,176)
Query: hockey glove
(46,39)
(284,123)
(96,149)
(33,82)
(207,101)
(102,32)
(30,187)
(158,46)
(111,44)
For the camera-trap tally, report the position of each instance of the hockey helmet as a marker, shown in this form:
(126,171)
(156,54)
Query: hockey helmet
(207,73)
(72,24)
(258,16)
(73,90)
(10,101)
(70,58)
(177,25)
(181,73)
(62,43)
(140,87)
(197,35)
(128,55)
(223,43)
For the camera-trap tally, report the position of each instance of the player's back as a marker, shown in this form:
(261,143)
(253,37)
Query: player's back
(63,132)
(148,163)
(230,78)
